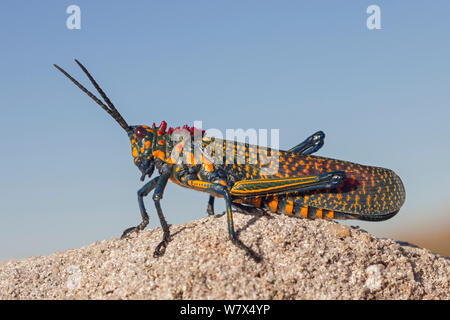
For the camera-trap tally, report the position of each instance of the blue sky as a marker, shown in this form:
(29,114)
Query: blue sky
(67,176)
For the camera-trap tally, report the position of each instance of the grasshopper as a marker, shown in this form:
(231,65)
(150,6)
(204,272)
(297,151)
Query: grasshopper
(303,185)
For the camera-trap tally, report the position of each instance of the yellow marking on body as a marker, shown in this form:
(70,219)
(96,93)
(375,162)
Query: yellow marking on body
(145,127)
(208,165)
(276,180)
(133,141)
(237,192)
(147,144)
(159,154)
(171,160)
(190,158)
(142,150)
(289,206)
(368,201)
(179,146)
(306,199)
(135,153)
(149,130)
(304,212)
(339,196)
(230,217)
(320,213)
(258,202)
(330,214)
(274,204)
(199,184)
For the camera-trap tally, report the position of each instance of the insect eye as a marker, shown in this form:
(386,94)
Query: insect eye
(139,132)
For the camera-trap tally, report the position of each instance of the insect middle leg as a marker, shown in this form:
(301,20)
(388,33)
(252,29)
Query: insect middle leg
(238,206)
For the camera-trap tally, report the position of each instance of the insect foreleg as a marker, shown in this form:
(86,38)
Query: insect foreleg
(144,191)
(157,196)
(312,144)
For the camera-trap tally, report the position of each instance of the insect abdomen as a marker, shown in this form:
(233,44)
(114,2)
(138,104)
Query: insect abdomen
(286,206)
(283,205)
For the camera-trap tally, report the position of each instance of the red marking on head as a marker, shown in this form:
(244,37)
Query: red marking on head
(162,128)
(176,129)
(191,130)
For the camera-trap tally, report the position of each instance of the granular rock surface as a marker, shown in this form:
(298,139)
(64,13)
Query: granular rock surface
(301,259)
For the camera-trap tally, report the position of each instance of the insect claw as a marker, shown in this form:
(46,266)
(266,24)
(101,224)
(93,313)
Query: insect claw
(136,229)
(161,247)
(126,233)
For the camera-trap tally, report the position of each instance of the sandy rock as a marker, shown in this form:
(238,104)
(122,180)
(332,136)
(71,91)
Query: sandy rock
(301,259)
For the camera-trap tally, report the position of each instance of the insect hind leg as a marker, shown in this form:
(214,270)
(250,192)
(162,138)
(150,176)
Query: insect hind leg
(280,186)
(312,144)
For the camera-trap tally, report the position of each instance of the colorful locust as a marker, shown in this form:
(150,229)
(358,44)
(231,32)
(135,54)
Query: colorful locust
(302,185)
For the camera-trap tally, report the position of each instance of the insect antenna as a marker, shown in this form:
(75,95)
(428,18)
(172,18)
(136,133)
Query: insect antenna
(111,109)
